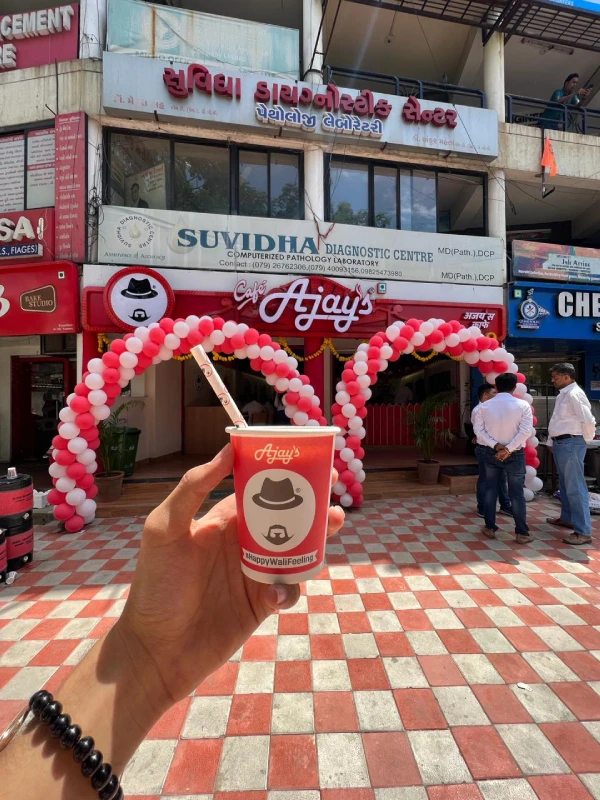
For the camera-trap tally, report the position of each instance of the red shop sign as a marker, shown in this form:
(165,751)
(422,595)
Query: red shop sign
(71,189)
(310,306)
(36,299)
(33,38)
(26,236)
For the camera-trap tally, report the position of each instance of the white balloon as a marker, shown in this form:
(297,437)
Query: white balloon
(340,386)
(399,324)
(67,414)
(528,494)
(464,334)
(292,363)
(300,418)
(142,333)
(499,354)
(355,465)
(509,358)
(282,384)
(360,355)
(361,476)
(312,422)
(426,328)
(70,397)
(453,340)
(528,397)
(471,358)
(100,412)
(360,368)
(253,351)
(342,398)
(339,488)
(349,410)
(361,433)
(295,385)
(267,352)
(75,497)
(91,468)
(122,382)
(363,381)
(366,393)
(87,508)
(241,353)
(537,484)
(290,411)
(513,369)
(87,457)
(383,365)
(386,352)
(156,325)
(346,454)
(180,329)
(97,398)
(485,356)
(363,347)
(57,470)
(271,379)
(408,349)
(355,423)
(315,400)
(65,484)
(530,471)
(346,500)
(439,348)
(491,377)
(77,445)
(171,341)
(339,442)
(164,353)
(96,365)
(533,441)
(88,520)
(192,321)
(417,338)
(217,337)
(127,374)
(475,332)
(520,390)
(134,345)
(68,430)
(280,356)
(94,380)
(230,328)
(130,360)
(392,333)
(307,391)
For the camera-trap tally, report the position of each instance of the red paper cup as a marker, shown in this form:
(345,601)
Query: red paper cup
(282,477)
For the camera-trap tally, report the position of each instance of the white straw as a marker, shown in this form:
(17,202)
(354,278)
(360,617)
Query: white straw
(219,388)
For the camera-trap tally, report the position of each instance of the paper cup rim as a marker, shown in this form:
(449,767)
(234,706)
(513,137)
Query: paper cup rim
(285,430)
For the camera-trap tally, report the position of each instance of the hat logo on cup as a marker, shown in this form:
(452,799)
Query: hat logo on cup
(277,495)
(139,289)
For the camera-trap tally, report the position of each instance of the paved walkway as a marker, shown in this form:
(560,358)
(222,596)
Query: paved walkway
(396,677)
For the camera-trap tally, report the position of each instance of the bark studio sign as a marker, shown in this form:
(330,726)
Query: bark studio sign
(440,117)
(42,299)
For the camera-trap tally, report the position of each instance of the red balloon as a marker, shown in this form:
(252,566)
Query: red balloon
(377,341)
(358,400)
(348,375)
(157,336)
(58,443)
(304,404)
(535,463)
(63,511)
(91,492)
(445,329)
(85,421)
(323,421)
(64,458)
(352,387)
(535,420)
(360,453)
(500,366)
(415,324)
(400,344)
(282,369)
(314,413)
(455,325)
(339,465)
(350,365)
(80,405)
(521,378)
(81,390)
(353,442)
(483,343)
(469,346)
(436,337)
(340,420)
(425,345)
(374,352)
(361,412)
(85,481)
(166,324)
(251,336)
(304,380)
(355,489)
(89,433)
(264,340)
(347,477)
(55,497)
(111,375)
(373,365)
(268,367)
(227,348)
(292,398)
(110,359)
(407,332)
(530,452)
(75,471)
(455,351)
(74,524)
(94,444)
(218,323)
(336,409)
(238,341)
(485,367)
(118,346)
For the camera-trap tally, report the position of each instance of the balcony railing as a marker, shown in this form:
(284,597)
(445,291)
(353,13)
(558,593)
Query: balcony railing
(552,116)
(405,87)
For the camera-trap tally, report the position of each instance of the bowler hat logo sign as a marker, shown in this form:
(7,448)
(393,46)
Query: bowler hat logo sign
(279,509)
(135,297)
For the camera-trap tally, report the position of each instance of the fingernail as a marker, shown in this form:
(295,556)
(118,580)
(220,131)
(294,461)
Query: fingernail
(280,593)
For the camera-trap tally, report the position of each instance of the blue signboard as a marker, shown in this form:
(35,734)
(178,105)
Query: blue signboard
(578,5)
(554,311)
(21,250)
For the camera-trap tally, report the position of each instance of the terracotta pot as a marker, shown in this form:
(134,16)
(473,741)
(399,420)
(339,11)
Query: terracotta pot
(428,471)
(109,487)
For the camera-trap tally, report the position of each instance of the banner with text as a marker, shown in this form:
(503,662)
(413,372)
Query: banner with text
(251,244)
(555,262)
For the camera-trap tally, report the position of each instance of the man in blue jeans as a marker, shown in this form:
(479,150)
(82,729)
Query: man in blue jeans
(502,427)
(485,392)
(572,425)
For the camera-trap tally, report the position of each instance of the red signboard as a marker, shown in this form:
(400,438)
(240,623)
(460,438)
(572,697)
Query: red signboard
(33,38)
(71,189)
(39,299)
(26,236)
(304,306)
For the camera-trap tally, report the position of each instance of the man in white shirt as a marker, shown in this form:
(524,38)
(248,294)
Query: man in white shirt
(484,393)
(572,425)
(502,427)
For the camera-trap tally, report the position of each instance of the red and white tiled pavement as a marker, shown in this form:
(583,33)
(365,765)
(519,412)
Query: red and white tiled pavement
(396,677)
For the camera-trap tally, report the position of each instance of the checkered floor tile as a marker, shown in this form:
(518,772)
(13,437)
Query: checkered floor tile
(425,663)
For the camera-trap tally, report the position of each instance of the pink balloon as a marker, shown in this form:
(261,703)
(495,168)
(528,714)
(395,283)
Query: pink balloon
(76,471)
(64,458)
(111,375)
(63,511)
(85,421)
(55,497)
(86,481)
(92,491)
(75,523)
(80,404)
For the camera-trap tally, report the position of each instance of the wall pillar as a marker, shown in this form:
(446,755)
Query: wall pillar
(496,205)
(493,74)
(92,28)
(314,196)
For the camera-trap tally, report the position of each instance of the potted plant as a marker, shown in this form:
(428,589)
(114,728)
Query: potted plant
(112,433)
(429,432)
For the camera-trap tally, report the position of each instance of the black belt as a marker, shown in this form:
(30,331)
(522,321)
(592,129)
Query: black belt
(564,436)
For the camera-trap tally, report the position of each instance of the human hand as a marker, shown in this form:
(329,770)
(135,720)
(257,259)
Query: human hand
(503,455)
(499,447)
(190,606)
(583,92)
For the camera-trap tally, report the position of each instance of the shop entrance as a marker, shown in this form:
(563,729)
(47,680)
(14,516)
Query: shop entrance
(39,386)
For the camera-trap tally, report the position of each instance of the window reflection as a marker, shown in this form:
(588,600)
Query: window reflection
(139,171)
(460,204)
(254,184)
(285,189)
(201,178)
(349,193)
(418,207)
(385,197)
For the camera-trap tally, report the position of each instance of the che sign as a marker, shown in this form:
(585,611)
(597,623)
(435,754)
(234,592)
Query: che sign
(26,235)
(33,38)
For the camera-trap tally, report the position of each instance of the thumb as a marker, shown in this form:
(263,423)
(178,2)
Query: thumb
(279,596)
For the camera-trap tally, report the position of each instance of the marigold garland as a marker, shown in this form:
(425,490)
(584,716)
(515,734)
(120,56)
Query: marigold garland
(103,342)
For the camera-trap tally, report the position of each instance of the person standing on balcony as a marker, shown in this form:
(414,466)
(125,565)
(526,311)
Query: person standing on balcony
(486,392)
(572,425)
(502,427)
(569,95)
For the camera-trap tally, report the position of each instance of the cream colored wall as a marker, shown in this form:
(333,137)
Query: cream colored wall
(11,346)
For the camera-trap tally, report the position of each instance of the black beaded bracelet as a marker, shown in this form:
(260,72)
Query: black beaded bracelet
(50,712)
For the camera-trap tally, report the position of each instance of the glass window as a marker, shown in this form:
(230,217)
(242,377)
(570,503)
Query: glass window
(254,184)
(460,204)
(418,208)
(201,178)
(285,186)
(385,180)
(349,187)
(139,169)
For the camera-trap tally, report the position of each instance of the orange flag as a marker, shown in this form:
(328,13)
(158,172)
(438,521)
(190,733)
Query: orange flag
(548,158)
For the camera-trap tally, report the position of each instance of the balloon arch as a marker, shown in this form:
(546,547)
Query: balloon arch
(74,447)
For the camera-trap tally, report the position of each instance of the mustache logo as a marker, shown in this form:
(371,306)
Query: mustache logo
(139,315)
